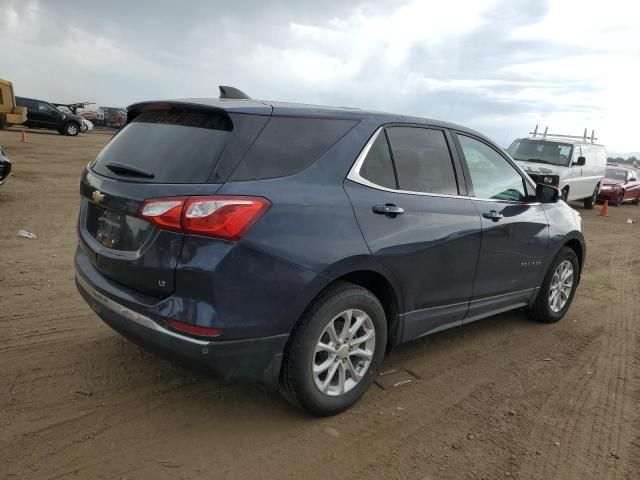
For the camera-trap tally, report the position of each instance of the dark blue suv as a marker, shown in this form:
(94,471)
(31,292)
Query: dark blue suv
(295,244)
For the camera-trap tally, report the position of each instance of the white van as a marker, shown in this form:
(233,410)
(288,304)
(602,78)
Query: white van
(574,164)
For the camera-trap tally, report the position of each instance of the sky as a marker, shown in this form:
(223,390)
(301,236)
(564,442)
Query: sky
(499,66)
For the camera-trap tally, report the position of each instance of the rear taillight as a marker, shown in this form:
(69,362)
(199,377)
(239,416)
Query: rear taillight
(164,212)
(227,217)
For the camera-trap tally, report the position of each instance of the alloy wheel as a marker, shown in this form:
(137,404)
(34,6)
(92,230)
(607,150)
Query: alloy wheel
(343,352)
(561,286)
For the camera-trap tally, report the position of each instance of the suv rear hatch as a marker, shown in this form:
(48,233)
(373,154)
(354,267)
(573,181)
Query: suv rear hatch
(165,150)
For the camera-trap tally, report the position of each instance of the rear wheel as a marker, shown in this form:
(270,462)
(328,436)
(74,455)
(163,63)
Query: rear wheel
(71,129)
(557,290)
(636,201)
(590,202)
(336,350)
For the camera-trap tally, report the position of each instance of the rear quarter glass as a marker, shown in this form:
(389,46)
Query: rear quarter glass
(288,145)
(175,147)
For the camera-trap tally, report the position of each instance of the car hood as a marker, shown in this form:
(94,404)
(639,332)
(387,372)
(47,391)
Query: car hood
(611,182)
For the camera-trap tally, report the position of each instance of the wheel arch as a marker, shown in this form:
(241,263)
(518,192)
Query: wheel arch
(578,247)
(373,277)
(382,288)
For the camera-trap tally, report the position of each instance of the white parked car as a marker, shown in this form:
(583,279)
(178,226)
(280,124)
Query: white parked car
(574,164)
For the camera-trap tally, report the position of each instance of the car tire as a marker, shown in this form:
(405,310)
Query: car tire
(564,194)
(71,129)
(620,199)
(313,346)
(636,201)
(590,202)
(547,308)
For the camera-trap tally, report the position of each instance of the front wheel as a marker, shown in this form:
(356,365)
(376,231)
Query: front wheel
(336,350)
(590,202)
(71,129)
(620,199)
(557,290)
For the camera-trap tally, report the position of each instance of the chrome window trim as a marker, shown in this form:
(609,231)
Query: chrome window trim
(354,176)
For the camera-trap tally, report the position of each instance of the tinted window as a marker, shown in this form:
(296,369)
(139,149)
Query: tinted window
(24,102)
(289,145)
(47,108)
(492,176)
(422,160)
(378,167)
(174,146)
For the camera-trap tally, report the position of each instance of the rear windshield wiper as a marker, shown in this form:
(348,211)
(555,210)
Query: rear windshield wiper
(128,170)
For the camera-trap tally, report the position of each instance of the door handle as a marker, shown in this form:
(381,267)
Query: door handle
(492,215)
(388,209)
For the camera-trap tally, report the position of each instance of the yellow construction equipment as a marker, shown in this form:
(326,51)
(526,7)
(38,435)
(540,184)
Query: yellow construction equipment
(9,113)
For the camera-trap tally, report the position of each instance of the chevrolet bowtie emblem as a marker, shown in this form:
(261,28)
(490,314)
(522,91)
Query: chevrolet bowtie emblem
(97,196)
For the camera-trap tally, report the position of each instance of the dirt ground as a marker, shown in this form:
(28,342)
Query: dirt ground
(500,398)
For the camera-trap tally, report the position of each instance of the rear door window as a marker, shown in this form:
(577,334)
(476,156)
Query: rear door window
(378,166)
(423,161)
(288,145)
(166,147)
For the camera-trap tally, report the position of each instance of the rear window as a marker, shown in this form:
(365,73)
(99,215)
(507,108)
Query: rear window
(166,147)
(24,102)
(288,145)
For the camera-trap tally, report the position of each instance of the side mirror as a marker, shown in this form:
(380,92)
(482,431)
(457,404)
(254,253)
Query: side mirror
(633,179)
(547,193)
(580,161)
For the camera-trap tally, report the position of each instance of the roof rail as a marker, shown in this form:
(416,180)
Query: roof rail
(581,137)
(232,92)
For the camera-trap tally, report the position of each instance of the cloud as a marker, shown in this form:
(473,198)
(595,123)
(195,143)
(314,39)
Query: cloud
(499,66)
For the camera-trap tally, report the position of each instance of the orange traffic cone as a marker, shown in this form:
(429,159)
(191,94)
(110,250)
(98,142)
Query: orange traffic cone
(604,210)
(24,137)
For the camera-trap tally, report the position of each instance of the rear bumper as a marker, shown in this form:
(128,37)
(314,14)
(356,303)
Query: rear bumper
(255,359)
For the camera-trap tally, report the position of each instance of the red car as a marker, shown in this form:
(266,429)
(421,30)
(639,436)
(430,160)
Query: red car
(620,184)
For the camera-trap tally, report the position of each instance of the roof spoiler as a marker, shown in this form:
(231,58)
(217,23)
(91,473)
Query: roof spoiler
(232,92)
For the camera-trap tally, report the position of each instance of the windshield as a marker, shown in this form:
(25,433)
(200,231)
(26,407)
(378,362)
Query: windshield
(616,174)
(541,151)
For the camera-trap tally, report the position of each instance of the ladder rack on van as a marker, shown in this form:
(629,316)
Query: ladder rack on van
(581,137)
